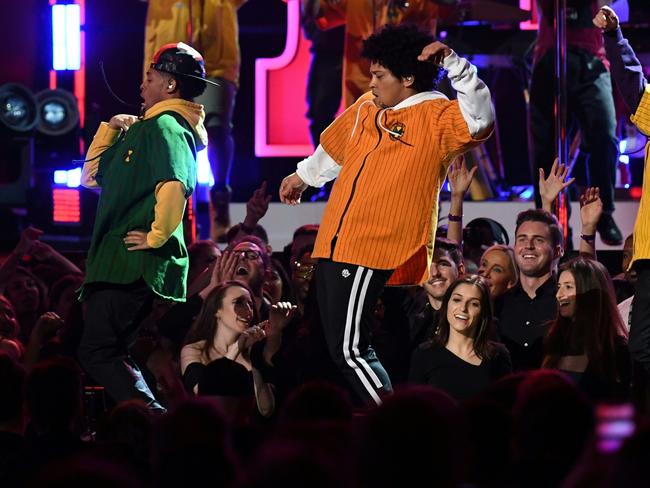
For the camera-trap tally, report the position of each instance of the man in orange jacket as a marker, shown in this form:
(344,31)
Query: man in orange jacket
(390,152)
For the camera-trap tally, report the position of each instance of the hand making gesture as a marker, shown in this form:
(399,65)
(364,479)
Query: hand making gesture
(550,188)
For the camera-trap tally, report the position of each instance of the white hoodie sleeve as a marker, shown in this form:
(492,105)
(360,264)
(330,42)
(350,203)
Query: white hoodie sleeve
(318,169)
(473,95)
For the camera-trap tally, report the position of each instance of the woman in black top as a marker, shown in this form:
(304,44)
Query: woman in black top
(588,340)
(216,359)
(461,359)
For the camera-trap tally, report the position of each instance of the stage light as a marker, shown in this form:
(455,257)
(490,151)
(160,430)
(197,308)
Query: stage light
(204,171)
(60,177)
(58,112)
(18,118)
(66,206)
(67,177)
(66,37)
(18,108)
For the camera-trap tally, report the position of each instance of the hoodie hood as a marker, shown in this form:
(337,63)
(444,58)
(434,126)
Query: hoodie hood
(408,102)
(192,113)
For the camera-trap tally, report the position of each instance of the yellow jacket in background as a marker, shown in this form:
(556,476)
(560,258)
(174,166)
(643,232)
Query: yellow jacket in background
(215,32)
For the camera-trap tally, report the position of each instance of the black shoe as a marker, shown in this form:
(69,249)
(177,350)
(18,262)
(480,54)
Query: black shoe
(609,232)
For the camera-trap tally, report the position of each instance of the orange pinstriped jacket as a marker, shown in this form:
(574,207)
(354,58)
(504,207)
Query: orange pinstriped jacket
(390,165)
(383,210)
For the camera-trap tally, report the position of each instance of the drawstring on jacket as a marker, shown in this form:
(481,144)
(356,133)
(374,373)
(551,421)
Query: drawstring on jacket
(381,126)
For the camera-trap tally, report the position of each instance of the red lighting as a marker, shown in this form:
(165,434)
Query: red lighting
(191,218)
(66,207)
(635,192)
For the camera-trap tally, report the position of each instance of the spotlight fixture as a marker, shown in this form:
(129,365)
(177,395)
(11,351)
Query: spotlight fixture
(18,108)
(58,112)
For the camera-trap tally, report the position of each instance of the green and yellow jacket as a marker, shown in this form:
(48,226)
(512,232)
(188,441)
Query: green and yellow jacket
(146,176)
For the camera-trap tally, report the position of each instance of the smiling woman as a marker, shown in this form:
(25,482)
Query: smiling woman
(461,359)
(588,340)
(216,359)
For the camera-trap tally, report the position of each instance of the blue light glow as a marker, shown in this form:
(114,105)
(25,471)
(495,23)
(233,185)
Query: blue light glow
(204,171)
(68,177)
(66,37)
(624,158)
(60,177)
(527,194)
(74,178)
(58,37)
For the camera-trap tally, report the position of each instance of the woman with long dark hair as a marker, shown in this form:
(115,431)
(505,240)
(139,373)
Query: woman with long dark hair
(461,358)
(588,340)
(216,359)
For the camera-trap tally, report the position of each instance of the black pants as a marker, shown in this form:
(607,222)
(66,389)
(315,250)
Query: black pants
(640,321)
(113,317)
(347,296)
(590,107)
(639,341)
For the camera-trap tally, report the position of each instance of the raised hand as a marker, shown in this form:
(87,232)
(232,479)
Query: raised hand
(225,268)
(27,240)
(122,121)
(550,188)
(249,337)
(606,19)
(591,208)
(459,178)
(257,206)
(42,251)
(435,52)
(291,189)
(47,327)
(280,315)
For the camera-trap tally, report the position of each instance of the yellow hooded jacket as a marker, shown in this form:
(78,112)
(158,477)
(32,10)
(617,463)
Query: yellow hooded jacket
(215,32)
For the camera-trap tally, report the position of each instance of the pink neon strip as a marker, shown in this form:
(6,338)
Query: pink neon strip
(80,74)
(262,67)
(529,24)
(52,80)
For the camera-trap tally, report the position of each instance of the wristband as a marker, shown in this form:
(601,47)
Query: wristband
(588,237)
(455,218)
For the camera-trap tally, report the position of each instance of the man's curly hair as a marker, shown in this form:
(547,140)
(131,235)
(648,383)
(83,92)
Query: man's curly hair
(397,48)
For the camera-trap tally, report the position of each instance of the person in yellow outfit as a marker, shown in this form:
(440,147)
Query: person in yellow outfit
(362,18)
(211,27)
(635,90)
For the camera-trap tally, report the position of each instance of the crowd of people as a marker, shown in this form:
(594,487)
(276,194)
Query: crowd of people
(149,363)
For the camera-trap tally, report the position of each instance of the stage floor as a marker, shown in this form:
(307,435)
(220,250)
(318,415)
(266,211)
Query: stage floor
(281,220)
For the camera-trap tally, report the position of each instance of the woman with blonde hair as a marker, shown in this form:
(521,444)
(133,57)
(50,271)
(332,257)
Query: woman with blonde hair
(499,267)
